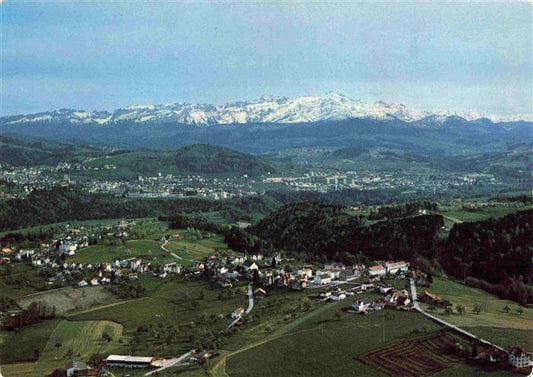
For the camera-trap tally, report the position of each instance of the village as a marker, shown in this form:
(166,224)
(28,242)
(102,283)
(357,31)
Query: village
(387,281)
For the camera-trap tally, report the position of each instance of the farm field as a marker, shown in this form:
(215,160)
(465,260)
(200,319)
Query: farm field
(67,299)
(83,338)
(326,345)
(457,214)
(172,305)
(28,339)
(492,315)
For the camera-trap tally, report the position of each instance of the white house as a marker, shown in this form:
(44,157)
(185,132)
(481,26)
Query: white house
(322,279)
(250,265)
(68,247)
(359,306)
(377,270)
(519,358)
(73,367)
(394,267)
(82,283)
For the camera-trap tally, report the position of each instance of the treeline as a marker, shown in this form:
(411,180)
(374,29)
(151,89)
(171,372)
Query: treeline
(71,203)
(498,251)
(402,210)
(525,199)
(345,197)
(406,238)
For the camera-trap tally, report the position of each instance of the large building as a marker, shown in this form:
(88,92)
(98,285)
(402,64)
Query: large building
(519,358)
(128,361)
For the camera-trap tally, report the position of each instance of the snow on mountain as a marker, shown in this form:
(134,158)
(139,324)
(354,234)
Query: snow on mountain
(267,109)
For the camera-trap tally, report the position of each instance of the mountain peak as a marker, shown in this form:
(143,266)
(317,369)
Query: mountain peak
(268,109)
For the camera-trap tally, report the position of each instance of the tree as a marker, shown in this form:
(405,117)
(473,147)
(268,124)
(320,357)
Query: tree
(477,308)
(338,315)
(448,310)
(460,309)
(107,337)
(507,309)
(520,310)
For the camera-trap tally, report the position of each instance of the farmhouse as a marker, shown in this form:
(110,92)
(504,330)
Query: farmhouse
(77,368)
(128,361)
(377,271)
(519,358)
(237,313)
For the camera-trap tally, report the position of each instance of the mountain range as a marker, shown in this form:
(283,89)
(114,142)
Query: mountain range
(267,109)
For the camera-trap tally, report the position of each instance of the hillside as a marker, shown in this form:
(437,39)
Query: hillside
(27,153)
(211,159)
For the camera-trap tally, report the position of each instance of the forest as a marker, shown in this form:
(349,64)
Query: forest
(495,255)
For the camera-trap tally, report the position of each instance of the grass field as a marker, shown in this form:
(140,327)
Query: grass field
(27,340)
(325,346)
(492,322)
(147,250)
(83,338)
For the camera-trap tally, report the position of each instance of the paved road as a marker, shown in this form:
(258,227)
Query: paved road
(171,362)
(250,305)
(416,305)
(250,299)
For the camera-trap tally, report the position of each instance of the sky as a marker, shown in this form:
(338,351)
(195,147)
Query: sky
(106,55)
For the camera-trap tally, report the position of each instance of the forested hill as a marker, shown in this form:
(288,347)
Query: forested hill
(497,251)
(330,232)
(205,158)
(313,228)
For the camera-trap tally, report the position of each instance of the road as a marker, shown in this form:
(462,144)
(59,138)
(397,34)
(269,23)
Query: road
(250,305)
(171,362)
(416,305)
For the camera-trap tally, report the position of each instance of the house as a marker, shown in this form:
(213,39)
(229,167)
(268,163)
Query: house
(73,368)
(519,358)
(82,283)
(360,307)
(337,297)
(250,265)
(94,281)
(68,247)
(385,290)
(6,250)
(121,361)
(105,280)
(237,313)
(393,267)
(377,270)
(260,293)
(322,279)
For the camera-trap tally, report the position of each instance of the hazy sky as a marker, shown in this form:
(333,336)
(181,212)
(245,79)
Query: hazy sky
(104,55)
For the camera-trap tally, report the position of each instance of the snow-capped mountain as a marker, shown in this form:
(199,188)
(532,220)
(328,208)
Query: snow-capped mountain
(332,106)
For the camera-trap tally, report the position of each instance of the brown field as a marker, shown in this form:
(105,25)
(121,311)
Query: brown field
(69,299)
(420,357)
